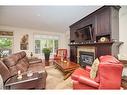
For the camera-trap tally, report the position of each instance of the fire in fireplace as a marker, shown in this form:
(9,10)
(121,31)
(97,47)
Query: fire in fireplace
(86,58)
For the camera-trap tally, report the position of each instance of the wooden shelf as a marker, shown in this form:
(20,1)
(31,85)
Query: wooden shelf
(92,43)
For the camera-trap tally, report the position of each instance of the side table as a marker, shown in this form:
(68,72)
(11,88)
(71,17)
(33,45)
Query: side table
(31,82)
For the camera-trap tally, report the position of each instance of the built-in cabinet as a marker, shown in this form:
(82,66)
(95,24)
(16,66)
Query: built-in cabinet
(104,22)
(73,53)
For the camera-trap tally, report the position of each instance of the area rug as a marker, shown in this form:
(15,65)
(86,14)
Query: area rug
(55,79)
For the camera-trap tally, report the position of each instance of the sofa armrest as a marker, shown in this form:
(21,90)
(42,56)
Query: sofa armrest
(110,75)
(88,81)
(35,61)
(88,68)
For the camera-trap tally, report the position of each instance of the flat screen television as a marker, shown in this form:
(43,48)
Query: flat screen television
(84,34)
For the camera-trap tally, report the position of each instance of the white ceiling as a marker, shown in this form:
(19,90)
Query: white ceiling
(46,18)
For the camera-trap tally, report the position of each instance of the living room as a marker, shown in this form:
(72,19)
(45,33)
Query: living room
(42,23)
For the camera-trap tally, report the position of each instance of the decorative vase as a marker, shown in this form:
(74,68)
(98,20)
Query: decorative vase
(31,54)
(47,59)
(46,52)
(47,56)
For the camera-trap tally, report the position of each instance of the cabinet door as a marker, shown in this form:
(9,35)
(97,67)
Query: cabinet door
(103,50)
(73,54)
(103,22)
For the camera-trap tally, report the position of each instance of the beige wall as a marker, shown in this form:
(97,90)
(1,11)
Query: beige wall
(123,34)
(19,32)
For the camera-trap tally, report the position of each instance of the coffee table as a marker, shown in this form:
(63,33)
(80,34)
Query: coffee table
(66,67)
(27,82)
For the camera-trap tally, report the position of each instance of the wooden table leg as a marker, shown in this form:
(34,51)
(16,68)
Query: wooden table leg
(68,75)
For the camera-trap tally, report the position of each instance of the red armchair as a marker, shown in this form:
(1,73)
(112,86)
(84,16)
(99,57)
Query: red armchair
(108,75)
(60,53)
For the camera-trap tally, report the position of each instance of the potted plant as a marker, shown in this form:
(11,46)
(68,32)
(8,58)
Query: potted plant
(46,52)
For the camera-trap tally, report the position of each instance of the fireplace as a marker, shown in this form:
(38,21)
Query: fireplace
(85,55)
(86,58)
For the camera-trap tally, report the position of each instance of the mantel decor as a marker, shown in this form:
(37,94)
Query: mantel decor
(24,42)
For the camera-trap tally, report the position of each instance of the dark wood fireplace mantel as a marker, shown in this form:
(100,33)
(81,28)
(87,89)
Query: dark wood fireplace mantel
(91,44)
(103,23)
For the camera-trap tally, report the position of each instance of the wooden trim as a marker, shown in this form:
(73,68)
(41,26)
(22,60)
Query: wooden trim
(6,33)
(97,43)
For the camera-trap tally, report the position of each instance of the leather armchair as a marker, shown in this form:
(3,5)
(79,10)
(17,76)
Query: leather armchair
(108,75)
(60,53)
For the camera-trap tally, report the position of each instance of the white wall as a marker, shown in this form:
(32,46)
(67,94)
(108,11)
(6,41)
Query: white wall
(123,32)
(123,35)
(19,32)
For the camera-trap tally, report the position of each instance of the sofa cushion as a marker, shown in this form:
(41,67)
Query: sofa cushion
(4,71)
(23,54)
(25,59)
(79,72)
(11,60)
(21,65)
(94,68)
(13,70)
(18,55)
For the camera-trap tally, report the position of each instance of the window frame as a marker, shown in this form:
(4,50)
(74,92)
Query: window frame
(46,37)
(12,48)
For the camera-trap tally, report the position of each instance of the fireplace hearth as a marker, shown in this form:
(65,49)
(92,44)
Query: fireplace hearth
(86,58)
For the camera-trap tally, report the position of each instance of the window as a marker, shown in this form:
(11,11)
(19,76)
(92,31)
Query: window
(6,45)
(37,46)
(45,41)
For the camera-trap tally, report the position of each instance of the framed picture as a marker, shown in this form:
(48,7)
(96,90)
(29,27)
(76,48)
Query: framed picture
(24,42)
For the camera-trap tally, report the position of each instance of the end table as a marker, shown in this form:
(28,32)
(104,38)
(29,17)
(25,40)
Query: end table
(34,81)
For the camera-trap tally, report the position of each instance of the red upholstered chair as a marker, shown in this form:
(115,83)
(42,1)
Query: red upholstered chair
(59,53)
(108,75)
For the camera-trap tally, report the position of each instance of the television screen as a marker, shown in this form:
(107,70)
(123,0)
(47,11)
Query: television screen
(84,34)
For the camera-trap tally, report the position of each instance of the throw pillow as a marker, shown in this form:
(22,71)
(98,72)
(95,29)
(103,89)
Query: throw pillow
(94,68)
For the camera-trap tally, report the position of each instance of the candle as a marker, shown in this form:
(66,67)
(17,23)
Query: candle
(19,72)
(19,75)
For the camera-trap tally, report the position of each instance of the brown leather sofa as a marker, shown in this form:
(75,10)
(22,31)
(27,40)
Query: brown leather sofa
(10,65)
